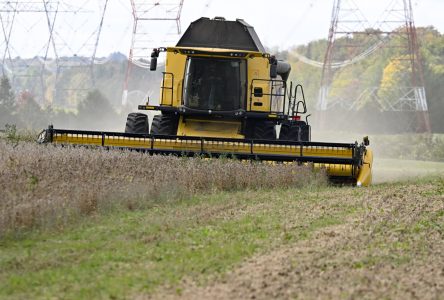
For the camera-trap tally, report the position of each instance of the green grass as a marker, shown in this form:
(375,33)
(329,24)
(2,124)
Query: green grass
(125,254)
(133,252)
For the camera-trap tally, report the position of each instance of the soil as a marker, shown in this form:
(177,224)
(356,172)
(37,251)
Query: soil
(380,252)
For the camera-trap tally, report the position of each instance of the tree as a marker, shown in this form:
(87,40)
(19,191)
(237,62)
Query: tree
(6,94)
(96,112)
(29,114)
(7,101)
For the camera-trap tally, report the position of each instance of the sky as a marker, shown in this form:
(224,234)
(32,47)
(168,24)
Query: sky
(279,23)
(285,23)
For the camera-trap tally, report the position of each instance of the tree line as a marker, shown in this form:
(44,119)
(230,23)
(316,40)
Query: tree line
(101,108)
(387,69)
(22,111)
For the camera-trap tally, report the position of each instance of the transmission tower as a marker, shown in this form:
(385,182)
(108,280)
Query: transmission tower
(74,39)
(354,40)
(147,34)
(21,22)
(51,38)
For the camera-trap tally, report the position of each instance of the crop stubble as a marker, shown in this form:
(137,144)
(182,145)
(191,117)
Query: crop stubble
(392,248)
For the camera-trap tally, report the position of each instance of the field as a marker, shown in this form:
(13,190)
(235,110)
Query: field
(82,223)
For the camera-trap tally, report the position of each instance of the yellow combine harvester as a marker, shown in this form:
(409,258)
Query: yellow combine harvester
(223,95)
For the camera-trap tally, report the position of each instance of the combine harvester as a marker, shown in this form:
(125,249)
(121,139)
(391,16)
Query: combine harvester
(223,95)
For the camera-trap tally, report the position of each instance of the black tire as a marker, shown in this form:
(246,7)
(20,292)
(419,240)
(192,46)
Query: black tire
(164,124)
(264,130)
(297,131)
(137,123)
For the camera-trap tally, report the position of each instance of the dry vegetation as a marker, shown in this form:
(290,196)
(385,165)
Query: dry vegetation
(130,225)
(47,186)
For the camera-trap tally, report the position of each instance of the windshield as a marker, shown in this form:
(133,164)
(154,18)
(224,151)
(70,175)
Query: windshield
(215,84)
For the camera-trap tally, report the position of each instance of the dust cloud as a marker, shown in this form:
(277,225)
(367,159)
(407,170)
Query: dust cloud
(396,170)
(397,157)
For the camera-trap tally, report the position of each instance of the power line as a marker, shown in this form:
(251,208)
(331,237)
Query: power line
(144,14)
(347,23)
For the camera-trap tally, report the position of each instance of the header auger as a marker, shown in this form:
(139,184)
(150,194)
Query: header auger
(223,95)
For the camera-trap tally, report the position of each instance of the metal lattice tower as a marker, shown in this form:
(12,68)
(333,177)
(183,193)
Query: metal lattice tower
(74,40)
(50,33)
(154,22)
(354,40)
(21,21)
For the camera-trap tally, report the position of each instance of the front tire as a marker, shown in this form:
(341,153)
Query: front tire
(263,130)
(295,131)
(165,124)
(137,123)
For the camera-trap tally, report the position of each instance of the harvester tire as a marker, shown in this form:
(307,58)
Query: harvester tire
(137,123)
(164,124)
(290,132)
(264,130)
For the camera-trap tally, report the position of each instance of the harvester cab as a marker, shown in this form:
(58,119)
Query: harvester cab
(220,82)
(222,94)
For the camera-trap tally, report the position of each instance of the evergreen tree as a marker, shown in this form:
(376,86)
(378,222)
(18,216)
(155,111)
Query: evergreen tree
(28,112)
(6,94)
(96,112)
(7,101)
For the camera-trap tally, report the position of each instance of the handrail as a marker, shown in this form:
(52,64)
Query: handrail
(163,87)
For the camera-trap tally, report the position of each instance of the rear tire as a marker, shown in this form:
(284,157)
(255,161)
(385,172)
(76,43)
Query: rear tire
(297,131)
(137,123)
(165,124)
(263,130)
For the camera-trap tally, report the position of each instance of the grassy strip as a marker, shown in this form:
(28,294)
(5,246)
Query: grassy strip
(406,225)
(129,253)
(394,170)
(409,146)
(389,248)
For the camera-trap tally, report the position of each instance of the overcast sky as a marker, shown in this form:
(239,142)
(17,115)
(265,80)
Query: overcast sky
(281,23)
(285,23)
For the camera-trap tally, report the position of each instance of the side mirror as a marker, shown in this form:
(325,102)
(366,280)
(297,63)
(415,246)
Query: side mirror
(273,67)
(153,64)
(366,141)
(154,56)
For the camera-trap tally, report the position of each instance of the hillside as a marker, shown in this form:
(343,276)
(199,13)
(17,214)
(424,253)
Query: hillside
(384,69)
